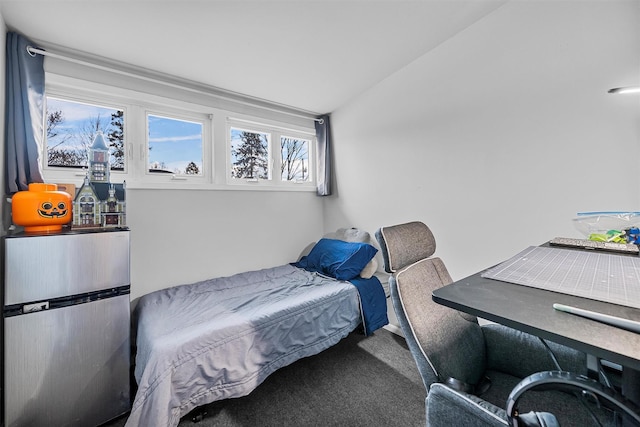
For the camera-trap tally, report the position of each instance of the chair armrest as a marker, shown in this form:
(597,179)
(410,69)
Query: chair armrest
(520,354)
(447,407)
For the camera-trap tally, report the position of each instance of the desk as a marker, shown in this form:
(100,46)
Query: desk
(530,310)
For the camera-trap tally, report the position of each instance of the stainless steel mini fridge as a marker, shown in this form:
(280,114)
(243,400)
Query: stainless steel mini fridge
(66,328)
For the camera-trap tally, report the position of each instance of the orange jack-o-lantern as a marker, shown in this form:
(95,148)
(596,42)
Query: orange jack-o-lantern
(42,208)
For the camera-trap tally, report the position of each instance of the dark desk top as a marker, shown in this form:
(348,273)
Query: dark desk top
(531,310)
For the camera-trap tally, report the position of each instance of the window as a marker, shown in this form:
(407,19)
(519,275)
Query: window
(174,145)
(250,154)
(116,134)
(73,127)
(294,155)
(256,158)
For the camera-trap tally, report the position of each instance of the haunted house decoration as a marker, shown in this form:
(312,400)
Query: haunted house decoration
(98,202)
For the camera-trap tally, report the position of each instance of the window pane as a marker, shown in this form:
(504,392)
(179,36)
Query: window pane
(72,128)
(175,146)
(295,159)
(249,154)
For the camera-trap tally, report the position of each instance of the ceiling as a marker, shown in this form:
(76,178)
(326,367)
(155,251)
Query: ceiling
(311,55)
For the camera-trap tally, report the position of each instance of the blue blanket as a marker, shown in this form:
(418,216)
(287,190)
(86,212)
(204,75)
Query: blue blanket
(374,303)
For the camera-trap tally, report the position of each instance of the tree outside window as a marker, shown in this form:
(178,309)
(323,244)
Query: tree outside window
(294,154)
(249,154)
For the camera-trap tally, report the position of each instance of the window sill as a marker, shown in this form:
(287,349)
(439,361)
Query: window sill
(138,185)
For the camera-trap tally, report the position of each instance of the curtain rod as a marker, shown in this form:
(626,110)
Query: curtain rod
(35,51)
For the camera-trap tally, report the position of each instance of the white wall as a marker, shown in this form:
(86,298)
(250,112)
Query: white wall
(499,136)
(182,236)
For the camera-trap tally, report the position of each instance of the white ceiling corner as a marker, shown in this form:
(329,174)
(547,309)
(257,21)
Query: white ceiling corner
(311,55)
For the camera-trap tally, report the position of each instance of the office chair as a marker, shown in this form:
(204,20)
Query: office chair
(471,371)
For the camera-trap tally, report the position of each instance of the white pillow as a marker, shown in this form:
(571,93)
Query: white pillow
(369,269)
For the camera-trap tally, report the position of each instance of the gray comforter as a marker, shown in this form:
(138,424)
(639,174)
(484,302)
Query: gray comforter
(221,338)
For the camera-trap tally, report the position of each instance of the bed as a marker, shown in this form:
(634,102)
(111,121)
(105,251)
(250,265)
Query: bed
(221,338)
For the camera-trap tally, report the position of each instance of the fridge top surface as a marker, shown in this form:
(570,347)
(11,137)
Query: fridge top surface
(68,232)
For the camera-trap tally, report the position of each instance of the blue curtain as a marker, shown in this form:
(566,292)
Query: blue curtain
(323,135)
(24,114)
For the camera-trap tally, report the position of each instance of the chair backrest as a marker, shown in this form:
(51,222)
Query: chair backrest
(404,244)
(443,343)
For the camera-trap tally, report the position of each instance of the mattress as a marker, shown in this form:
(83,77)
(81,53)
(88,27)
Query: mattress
(221,338)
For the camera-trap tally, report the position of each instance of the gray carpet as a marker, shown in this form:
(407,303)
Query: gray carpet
(361,381)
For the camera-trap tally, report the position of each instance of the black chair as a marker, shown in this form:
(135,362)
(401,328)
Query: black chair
(471,372)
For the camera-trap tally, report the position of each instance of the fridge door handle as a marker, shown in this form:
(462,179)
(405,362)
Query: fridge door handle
(38,306)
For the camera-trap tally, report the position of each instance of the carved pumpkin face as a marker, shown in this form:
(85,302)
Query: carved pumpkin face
(52,209)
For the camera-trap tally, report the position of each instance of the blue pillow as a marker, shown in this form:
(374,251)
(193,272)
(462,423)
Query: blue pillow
(338,259)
